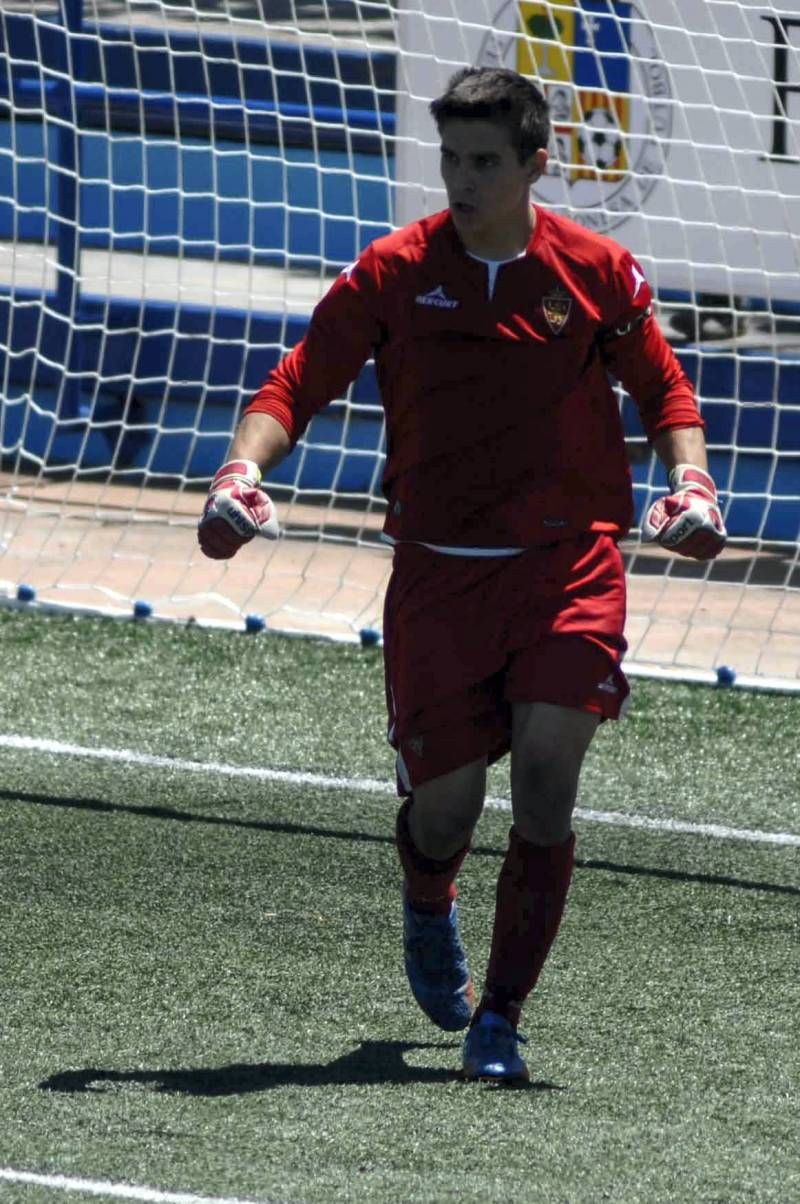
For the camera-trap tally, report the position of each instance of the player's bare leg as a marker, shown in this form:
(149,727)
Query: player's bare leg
(446,810)
(548,746)
(434,829)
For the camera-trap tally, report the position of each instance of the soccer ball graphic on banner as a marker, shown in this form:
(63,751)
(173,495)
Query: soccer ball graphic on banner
(600,140)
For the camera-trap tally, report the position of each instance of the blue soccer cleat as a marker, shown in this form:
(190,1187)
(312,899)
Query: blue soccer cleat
(491,1053)
(436,966)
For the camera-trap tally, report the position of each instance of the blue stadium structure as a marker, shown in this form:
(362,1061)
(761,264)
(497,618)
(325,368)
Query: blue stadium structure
(268,152)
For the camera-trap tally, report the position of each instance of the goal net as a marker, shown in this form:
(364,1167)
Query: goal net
(181,181)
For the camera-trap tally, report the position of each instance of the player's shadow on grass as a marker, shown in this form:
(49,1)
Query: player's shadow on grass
(376,1062)
(283,827)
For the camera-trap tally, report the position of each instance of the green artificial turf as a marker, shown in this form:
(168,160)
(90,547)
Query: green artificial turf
(203,987)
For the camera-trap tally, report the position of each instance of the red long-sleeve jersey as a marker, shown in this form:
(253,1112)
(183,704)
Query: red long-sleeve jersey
(503,429)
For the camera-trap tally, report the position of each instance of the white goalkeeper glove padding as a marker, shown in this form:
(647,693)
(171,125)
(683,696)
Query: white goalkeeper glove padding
(688,521)
(236,510)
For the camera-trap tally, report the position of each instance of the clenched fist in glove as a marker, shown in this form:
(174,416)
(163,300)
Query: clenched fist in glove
(688,521)
(237,509)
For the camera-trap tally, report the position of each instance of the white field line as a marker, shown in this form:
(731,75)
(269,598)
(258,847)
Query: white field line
(117,1191)
(374,786)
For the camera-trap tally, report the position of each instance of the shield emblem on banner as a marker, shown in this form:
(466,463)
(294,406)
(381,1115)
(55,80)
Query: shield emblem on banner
(581,55)
(609,94)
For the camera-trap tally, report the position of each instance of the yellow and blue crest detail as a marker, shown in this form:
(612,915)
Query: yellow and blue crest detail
(580,52)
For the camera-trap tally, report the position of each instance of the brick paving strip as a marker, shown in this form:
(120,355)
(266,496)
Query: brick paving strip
(107,545)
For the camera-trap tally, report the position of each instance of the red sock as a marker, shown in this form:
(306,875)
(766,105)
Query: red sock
(531,892)
(430,885)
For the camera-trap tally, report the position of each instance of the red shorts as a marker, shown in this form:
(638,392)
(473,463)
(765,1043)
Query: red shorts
(465,637)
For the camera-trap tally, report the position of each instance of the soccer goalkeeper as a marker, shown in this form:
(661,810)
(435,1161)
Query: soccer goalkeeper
(495,326)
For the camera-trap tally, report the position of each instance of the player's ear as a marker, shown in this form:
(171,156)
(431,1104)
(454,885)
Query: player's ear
(536,165)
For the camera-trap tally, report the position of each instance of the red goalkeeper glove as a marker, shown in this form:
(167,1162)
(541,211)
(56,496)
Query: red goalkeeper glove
(236,511)
(688,521)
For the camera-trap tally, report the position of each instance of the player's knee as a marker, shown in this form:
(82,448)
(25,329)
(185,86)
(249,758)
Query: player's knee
(445,811)
(543,796)
(548,779)
(440,836)
(545,829)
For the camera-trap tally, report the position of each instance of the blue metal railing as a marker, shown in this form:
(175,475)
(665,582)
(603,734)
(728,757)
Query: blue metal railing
(73,78)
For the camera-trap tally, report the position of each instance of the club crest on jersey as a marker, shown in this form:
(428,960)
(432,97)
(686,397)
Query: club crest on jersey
(556,307)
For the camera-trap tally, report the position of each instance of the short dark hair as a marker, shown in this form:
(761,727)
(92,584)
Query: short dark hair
(500,95)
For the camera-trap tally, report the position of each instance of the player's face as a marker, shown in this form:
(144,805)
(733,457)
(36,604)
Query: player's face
(488,188)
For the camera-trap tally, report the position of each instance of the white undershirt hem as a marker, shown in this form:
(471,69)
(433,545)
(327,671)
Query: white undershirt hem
(447,550)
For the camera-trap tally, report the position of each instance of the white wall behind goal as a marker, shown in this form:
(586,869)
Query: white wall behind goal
(676,125)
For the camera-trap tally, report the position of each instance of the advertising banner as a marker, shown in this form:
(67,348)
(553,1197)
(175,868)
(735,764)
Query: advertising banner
(676,125)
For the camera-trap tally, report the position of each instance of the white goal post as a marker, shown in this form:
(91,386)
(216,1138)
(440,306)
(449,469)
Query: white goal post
(180,181)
